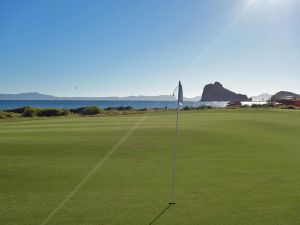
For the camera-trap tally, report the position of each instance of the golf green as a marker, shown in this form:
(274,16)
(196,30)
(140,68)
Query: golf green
(234,167)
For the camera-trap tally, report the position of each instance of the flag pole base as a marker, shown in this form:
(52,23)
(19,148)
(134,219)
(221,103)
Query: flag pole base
(172,203)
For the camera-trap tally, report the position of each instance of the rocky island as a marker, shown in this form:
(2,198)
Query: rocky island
(216,92)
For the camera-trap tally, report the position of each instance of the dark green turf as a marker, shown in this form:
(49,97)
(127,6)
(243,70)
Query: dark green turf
(234,167)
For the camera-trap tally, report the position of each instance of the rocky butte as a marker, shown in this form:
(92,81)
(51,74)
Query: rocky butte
(216,92)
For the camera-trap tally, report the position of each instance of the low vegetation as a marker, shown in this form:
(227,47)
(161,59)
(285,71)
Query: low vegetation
(31,112)
(197,108)
(82,111)
(89,110)
(289,107)
(111,111)
(7,115)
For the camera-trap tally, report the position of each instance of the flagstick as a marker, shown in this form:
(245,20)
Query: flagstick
(172,202)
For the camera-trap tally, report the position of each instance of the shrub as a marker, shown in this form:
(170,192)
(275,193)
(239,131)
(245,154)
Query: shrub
(246,106)
(290,107)
(119,108)
(88,110)
(77,110)
(29,112)
(91,110)
(6,115)
(20,110)
(204,107)
(52,112)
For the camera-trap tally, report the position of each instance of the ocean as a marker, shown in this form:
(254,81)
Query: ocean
(68,104)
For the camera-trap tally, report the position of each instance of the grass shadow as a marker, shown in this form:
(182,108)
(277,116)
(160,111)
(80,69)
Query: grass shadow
(161,213)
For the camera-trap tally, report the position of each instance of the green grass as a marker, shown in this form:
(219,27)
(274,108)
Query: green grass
(234,167)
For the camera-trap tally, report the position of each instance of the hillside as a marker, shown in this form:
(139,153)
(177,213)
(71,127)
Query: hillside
(282,94)
(26,96)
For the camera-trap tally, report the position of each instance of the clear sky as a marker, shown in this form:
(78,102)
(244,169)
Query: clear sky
(124,47)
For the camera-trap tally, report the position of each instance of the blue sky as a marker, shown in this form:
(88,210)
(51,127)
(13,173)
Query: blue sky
(123,47)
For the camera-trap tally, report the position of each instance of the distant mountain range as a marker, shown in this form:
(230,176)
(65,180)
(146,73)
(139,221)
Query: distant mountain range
(261,98)
(38,96)
(27,96)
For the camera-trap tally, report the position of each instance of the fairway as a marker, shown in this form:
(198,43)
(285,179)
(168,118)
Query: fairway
(234,167)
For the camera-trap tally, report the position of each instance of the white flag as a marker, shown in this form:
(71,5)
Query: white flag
(178,93)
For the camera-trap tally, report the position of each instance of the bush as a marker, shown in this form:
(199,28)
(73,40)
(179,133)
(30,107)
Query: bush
(29,112)
(52,112)
(187,108)
(290,107)
(77,110)
(91,110)
(120,108)
(20,110)
(6,115)
(88,110)
(204,107)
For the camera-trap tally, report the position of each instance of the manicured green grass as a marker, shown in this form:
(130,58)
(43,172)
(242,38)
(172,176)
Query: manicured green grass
(234,167)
